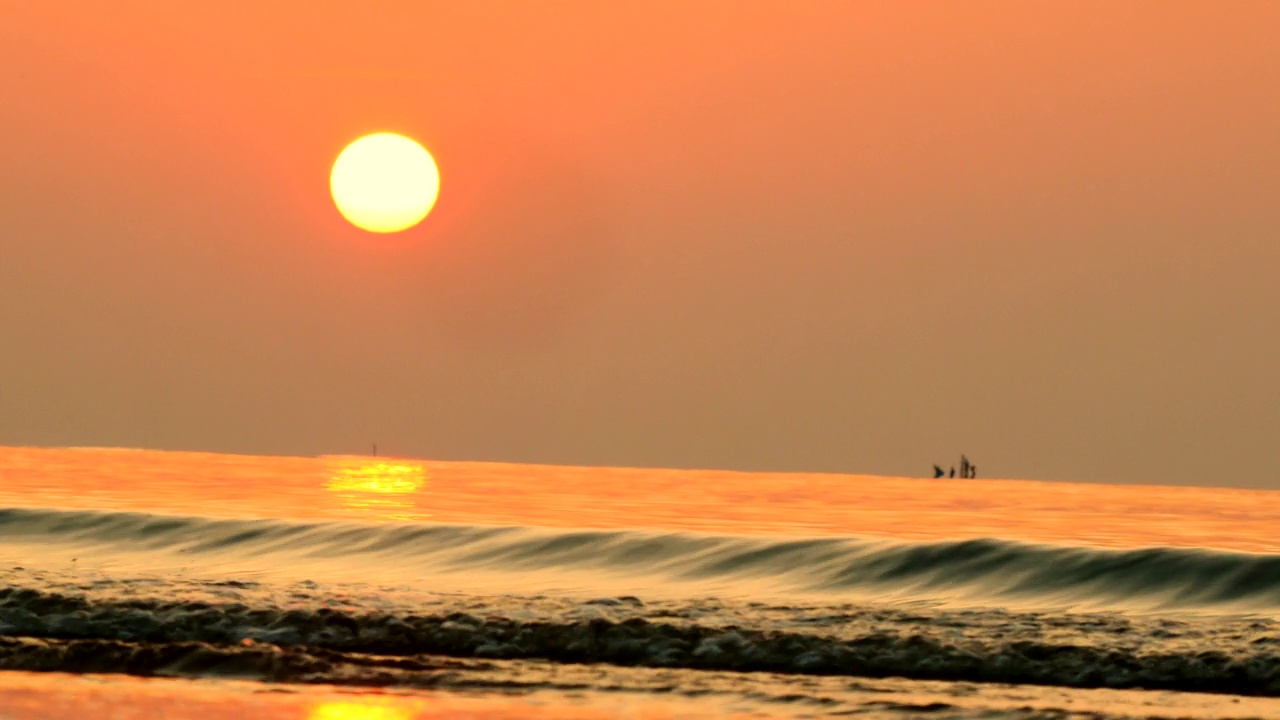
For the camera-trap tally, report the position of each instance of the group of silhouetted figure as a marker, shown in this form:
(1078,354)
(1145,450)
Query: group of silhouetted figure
(967,469)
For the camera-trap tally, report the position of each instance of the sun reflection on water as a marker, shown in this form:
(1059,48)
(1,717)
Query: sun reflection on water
(384,489)
(359,711)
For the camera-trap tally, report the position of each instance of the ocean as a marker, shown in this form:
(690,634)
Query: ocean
(137,583)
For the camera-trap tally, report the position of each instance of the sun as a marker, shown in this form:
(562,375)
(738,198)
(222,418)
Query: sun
(384,182)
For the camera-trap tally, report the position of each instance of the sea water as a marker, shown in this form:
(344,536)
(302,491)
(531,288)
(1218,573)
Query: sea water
(366,587)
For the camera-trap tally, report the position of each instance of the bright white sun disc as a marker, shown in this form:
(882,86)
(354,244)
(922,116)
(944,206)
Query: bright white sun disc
(384,182)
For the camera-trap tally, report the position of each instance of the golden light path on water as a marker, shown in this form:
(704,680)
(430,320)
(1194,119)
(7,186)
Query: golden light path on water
(381,489)
(398,490)
(350,710)
(61,696)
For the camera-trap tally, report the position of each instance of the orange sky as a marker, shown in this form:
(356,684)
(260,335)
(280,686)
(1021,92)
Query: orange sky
(857,237)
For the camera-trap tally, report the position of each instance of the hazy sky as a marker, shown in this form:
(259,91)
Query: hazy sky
(824,236)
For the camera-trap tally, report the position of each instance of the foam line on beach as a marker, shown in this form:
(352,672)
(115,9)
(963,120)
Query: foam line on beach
(58,631)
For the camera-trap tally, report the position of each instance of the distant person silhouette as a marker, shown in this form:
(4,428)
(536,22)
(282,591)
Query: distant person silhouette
(938,472)
(953,472)
(973,471)
(964,466)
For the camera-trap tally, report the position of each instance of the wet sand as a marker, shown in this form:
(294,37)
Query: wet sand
(58,696)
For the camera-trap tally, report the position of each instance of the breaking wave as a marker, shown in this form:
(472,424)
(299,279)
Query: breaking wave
(984,571)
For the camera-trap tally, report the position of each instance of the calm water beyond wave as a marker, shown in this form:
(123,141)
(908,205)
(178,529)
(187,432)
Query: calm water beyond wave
(440,589)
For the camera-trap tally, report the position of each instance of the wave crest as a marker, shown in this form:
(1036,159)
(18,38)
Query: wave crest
(983,570)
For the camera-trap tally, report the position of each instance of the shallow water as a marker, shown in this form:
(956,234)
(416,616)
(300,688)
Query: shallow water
(720,592)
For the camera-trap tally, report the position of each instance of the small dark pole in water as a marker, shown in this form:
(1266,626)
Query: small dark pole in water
(953,472)
(375,449)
